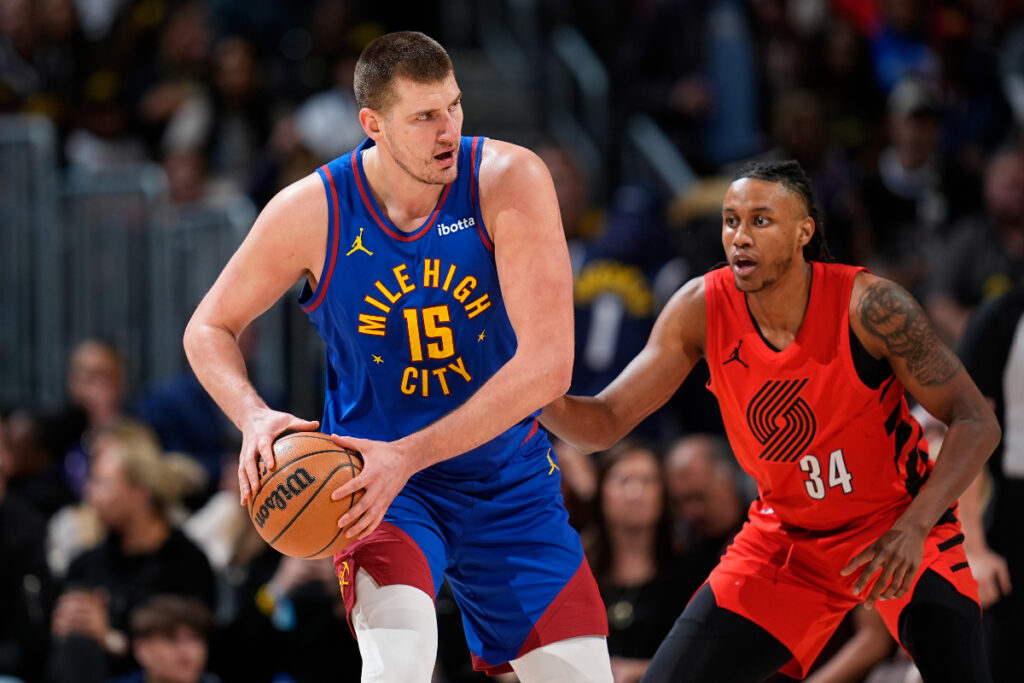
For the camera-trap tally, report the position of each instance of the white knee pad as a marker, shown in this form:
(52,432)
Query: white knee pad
(397,631)
(573,660)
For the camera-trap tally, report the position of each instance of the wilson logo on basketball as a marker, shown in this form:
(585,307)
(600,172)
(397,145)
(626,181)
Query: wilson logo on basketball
(781,421)
(278,498)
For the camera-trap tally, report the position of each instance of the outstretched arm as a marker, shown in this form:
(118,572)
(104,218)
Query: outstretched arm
(892,325)
(674,347)
(288,241)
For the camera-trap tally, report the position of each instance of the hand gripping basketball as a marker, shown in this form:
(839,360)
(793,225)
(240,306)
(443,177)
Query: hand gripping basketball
(292,508)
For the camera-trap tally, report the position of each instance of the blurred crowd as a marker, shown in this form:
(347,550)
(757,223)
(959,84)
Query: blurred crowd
(123,552)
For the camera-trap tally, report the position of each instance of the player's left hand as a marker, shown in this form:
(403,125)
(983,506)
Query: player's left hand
(898,554)
(386,468)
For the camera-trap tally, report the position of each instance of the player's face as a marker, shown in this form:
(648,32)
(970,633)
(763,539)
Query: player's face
(423,129)
(764,228)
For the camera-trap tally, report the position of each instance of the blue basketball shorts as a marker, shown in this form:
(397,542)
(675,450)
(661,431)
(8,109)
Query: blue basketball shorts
(515,565)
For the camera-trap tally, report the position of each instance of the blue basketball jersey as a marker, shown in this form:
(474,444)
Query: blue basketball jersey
(414,323)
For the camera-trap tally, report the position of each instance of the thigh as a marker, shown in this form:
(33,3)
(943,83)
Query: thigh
(517,570)
(941,629)
(709,643)
(408,548)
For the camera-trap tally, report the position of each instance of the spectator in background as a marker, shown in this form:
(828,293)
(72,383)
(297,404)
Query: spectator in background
(691,66)
(32,462)
(851,100)
(134,489)
(96,393)
(799,132)
(992,350)
(579,219)
(913,191)
(631,554)
(297,605)
(170,641)
(26,588)
(19,77)
(983,254)
(901,45)
(708,496)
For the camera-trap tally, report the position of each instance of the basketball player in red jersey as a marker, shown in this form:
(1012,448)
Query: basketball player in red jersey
(809,361)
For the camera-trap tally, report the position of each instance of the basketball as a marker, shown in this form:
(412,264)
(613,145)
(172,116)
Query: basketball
(292,510)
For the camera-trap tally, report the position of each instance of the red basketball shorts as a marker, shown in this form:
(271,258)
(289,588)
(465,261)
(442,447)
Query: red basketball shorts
(789,582)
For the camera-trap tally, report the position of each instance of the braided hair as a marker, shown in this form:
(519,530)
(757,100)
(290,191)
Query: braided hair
(792,177)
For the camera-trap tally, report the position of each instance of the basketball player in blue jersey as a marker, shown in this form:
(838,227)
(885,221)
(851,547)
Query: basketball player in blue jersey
(437,273)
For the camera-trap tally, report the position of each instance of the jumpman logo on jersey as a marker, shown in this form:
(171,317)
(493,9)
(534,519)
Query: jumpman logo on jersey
(343,575)
(735,356)
(358,245)
(552,463)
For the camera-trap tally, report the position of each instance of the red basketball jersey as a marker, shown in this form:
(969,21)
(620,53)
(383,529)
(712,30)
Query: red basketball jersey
(828,452)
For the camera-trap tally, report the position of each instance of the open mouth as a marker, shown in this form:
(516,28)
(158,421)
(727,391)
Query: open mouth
(445,156)
(743,265)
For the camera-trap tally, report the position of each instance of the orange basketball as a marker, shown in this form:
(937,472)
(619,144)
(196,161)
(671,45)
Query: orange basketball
(292,510)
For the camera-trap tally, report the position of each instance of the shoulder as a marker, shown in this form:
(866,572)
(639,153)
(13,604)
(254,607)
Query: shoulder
(506,169)
(300,201)
(685,315)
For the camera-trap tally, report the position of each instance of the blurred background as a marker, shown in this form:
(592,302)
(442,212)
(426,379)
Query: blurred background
(140,138)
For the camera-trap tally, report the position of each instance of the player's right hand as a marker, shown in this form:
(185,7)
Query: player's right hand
(260,430)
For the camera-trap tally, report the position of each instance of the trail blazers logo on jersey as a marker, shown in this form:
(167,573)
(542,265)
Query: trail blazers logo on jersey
(781,421)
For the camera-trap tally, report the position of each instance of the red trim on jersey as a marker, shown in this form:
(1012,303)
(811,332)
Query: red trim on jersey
(533,430)
(335,228)
(390,556)
(484,237)
(398,235)
(576,611)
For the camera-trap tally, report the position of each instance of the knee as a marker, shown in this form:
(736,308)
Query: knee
(582,659)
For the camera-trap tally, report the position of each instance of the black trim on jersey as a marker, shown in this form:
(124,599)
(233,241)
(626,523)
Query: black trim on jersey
(871,371)
(757,327)
(951,543)
(959,565)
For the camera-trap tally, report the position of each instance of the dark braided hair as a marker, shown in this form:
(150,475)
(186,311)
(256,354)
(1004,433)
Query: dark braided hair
(792,177)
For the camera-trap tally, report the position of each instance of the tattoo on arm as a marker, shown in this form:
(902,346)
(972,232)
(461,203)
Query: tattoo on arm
(892,315)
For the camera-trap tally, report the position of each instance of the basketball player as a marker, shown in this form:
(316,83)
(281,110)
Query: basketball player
(809,361)
(437,273)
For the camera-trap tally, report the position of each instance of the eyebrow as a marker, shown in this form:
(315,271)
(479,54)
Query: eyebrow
(458,97)
(758,209)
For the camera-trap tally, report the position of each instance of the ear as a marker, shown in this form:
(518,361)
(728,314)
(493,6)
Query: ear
(805,230)
(371,121)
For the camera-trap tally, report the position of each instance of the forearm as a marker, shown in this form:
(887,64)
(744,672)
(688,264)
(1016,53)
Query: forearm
(521,386)
(587,423)
(217,361)
(967,445)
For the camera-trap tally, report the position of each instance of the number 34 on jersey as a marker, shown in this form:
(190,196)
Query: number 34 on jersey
(838,476)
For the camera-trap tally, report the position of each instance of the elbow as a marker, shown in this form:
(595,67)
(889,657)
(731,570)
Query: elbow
(995,431)
(557,377)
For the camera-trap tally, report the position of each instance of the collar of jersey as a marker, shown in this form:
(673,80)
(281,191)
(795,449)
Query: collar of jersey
(385,224)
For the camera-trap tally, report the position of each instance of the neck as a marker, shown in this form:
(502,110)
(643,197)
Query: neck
(780,309)
(633,553)
(406,201)
(144,534)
